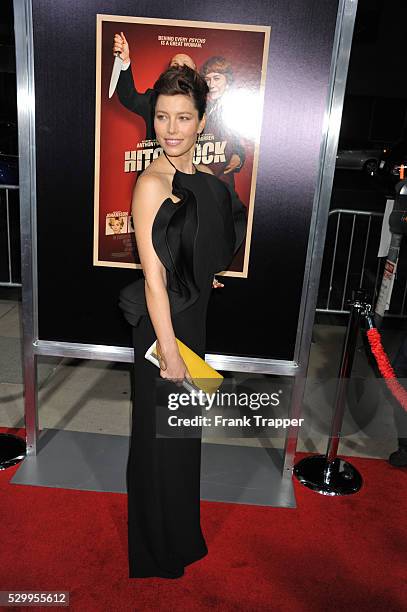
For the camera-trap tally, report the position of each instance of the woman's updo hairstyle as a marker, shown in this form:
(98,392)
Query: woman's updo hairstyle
(185,81)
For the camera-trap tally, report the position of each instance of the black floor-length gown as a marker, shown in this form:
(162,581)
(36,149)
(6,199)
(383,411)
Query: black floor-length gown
(194,238)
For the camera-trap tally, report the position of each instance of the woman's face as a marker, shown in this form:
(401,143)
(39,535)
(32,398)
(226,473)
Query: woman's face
(176,123)
(217,84)
(116,226)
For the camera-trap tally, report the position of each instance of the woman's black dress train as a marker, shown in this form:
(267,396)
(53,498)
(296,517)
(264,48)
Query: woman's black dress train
(194,238)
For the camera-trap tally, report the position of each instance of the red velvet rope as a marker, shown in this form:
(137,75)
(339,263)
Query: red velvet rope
(385,367)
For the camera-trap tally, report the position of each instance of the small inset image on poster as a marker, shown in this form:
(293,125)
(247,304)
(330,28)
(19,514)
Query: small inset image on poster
(232,58)
(117,223)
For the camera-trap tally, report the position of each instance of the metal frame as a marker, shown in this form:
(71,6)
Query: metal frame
(34,347)
(23,29)
(10,283)
(338,212)
(332,123)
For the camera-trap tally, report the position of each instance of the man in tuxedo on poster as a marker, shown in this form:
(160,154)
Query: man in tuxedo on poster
(142,104)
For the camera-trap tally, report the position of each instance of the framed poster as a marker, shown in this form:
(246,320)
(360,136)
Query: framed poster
(125,142)
(259,313)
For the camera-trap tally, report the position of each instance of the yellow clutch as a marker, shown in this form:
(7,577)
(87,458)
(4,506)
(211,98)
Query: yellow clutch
(204,377)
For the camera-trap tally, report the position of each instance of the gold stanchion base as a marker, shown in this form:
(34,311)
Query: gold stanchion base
(337,478)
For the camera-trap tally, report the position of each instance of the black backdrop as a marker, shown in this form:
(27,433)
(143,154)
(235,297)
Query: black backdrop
(254,317)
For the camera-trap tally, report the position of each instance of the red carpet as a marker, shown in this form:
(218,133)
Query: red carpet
(339,554)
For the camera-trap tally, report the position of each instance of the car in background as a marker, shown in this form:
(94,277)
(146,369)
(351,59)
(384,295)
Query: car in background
(8,153)
(358,156)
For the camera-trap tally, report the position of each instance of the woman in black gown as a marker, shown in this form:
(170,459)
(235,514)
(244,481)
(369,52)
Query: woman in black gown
(188,225)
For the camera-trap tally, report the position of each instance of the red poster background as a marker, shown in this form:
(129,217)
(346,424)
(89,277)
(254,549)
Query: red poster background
(121,129)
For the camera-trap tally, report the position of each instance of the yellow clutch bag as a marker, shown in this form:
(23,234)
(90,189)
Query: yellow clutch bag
(204,377)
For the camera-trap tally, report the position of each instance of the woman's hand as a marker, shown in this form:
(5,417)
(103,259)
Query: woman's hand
(216,284)
(234,163)
(172,367)
(121,45)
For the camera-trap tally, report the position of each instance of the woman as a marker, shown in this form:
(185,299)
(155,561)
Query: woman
(188,225)
(218,74)
(116,224)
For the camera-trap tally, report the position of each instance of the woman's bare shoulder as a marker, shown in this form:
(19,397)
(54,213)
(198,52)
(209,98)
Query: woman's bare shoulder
(152,180)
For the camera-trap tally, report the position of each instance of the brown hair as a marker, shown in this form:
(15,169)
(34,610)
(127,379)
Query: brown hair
(185,81)
(217,63)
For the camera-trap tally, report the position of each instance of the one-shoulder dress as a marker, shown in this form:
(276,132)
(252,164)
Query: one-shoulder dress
(194,239)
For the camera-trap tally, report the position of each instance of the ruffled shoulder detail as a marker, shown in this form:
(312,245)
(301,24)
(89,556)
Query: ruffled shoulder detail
(132,301)
(173,235)
(234,214)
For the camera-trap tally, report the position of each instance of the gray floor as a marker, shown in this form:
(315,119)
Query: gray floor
(97,462)
(79,399)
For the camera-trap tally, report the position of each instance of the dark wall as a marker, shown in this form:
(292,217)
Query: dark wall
(372,119)
(375,107)
(377,62)
(8,100)
(256,317)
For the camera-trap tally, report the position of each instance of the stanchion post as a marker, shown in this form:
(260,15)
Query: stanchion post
(358,307)
(328,474)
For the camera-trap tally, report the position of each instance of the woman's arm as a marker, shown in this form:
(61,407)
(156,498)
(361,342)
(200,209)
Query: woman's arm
(148,196)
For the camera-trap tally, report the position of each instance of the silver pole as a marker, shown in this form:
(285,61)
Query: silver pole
(339,69)
(328,474)
(348,355)
(23,29)
(10,273)
(358,308)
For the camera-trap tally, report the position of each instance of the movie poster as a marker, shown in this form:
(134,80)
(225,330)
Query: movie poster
(233,60)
